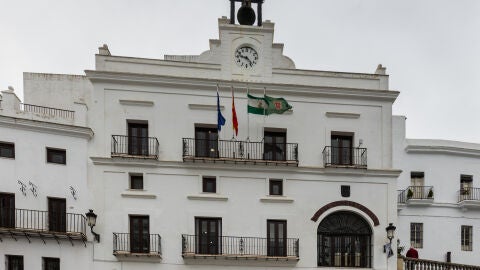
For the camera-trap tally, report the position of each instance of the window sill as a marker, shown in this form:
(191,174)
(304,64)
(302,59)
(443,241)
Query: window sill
(140,193)
(276,199)
(208,197)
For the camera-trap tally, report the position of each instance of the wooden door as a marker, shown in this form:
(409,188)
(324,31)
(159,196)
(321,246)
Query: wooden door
(7,210)
(139,234)
(275,144)
(138,139)
(206,142)
(57,215)
(208,234)
(341,150)
(277,238)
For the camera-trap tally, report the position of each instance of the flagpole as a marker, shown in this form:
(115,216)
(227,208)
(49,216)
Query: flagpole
(264,111)
(218,131)
(248,116)
(233,100)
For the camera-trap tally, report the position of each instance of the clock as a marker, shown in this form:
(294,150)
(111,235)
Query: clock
(246,57)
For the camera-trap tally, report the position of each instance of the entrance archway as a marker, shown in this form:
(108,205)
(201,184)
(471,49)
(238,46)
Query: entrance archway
(344,240)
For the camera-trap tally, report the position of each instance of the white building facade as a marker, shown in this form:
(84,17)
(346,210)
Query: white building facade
(137,141)
(43,191)
(438,197)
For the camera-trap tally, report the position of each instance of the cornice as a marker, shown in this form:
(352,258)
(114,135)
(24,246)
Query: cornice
(437,149)
(106,161)
(275,88)
(40,126)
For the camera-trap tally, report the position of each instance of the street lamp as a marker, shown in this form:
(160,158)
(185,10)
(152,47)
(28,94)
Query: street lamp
(390,232)
(91,221)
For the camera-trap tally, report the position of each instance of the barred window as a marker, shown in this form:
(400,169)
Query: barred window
(467,238)
(14,262)
(416,235)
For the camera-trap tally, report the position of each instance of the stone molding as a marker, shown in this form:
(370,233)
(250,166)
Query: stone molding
(360,207)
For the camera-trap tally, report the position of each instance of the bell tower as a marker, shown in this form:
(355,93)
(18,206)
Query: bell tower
(246,14)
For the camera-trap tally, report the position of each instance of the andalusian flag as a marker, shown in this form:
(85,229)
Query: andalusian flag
(277,105)
(257,105)
(234,115)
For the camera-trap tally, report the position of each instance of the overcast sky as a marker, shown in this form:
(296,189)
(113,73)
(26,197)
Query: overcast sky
(431,48)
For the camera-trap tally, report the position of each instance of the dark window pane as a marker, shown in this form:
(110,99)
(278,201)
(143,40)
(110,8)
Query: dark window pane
(345,191)
(56,156)
(209,184)
(7,210)
(139,234)
(51,264)
(276,238)
(341,149)
(138,139)
(14,262)
(275,145)
(206,142)
(136,181)
(7,150)
(57,215)
(276,187)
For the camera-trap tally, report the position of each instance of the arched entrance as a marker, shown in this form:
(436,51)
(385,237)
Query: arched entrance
(344,240)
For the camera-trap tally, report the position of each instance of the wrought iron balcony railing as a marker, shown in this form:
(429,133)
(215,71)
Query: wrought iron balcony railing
(469,194)
(47,111)
(126,244)
(232,246)
(133,146)
(240,151)
(401,196)
(44,224)
(418,193)
(344,157)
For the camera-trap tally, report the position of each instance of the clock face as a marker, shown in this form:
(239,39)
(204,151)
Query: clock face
(246,57)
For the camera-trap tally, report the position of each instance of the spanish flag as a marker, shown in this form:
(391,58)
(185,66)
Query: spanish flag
(234,114)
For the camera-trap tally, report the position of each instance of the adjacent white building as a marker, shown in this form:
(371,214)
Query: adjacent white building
(438,198)
(137,141)
(43,189)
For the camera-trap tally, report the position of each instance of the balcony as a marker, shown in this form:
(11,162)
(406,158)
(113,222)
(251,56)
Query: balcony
(469,197)
(240,152)
(345,157)
(232,247)
(42,224)
(47,111)
(134,147)
(416,195)
(128,245)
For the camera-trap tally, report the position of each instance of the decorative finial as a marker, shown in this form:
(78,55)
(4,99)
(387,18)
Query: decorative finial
(11,88)
(381,70)
(104,50)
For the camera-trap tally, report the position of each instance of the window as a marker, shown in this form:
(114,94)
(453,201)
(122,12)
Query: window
(467,238)
(209,184)
(51,263)
(139,234)
(344,240)
(208,232)
(275,145)
(417,184)
(57,215)
(206,142)
(7,210)
(14,262)
(345,191)
(342,144)
(58,156)
(276,186)
(277,238)
(416,235)
(466,185)
(138,139)
(7,150)
(136,181)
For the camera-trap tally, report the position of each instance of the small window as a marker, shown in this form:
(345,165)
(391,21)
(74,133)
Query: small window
(136,181)
(7,150)
(14,262)
(345,191)
(416,235)
(467,238)
(51,264)
(276,186)
(58,156)
(209,184)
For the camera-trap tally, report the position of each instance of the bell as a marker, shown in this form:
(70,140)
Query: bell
(246,14)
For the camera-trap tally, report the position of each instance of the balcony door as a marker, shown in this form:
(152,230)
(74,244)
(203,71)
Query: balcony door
(341,149)
(138,139)
(417,181)
(57,215)
(206,142)
(139,234)
(275,145)
(276,238)
(7,210)
(208,233)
